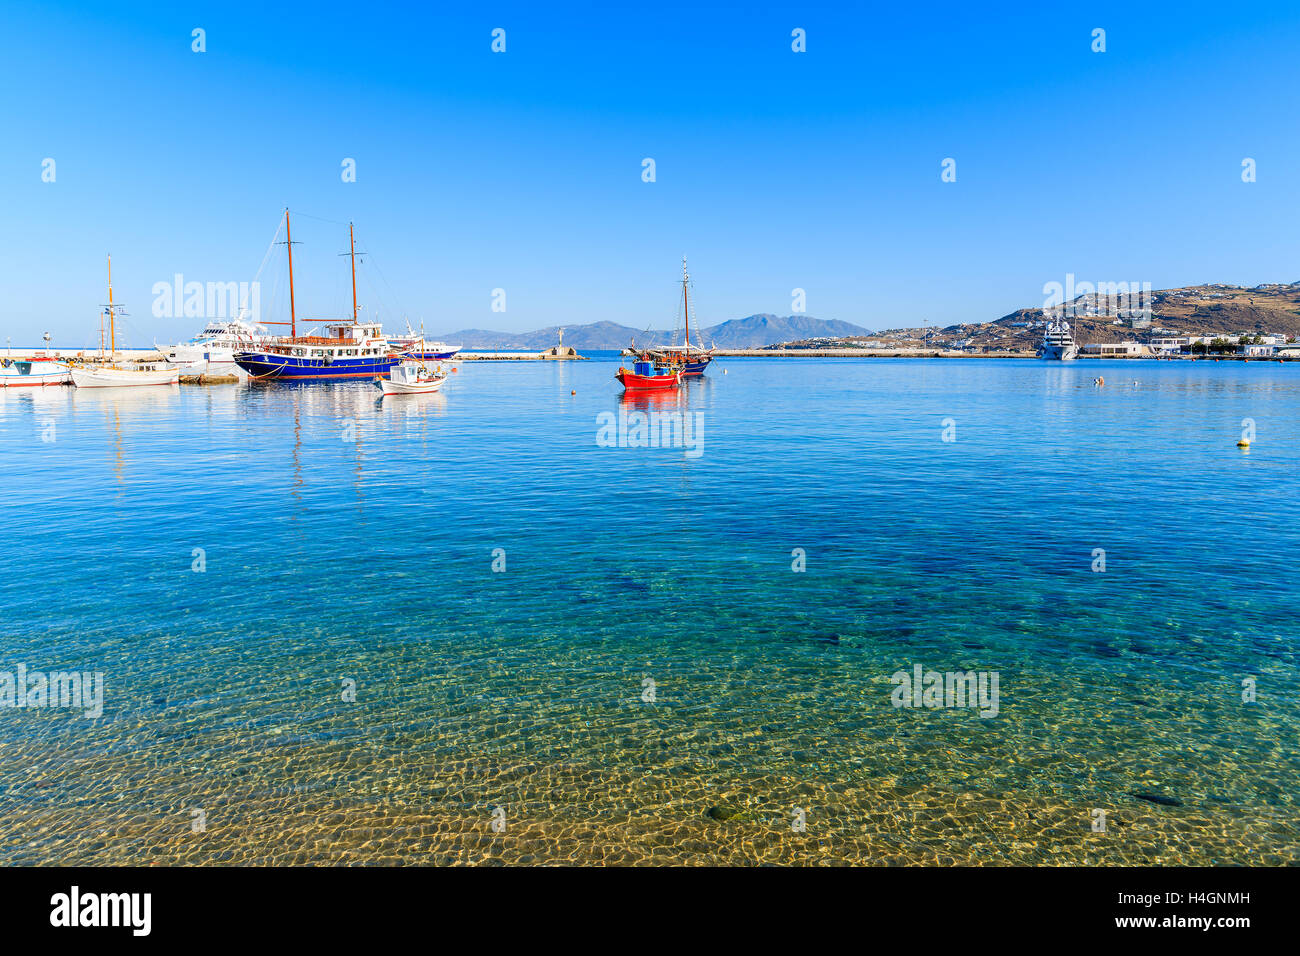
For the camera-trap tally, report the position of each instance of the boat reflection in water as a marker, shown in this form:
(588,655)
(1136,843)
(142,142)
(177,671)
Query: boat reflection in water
(667,400)
(654,419)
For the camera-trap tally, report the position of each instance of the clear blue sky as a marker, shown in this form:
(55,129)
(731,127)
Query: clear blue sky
(522,170)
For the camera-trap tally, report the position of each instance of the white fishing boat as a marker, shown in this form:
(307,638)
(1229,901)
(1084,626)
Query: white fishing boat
(113,374)
(411,378)
(37,370)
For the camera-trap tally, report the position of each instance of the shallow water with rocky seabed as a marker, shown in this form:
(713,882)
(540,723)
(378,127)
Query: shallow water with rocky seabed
(649,680)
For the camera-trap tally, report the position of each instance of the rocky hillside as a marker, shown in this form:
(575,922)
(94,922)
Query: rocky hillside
(1198,310)
(1217,309)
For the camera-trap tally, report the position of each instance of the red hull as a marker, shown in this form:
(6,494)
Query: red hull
(631,380)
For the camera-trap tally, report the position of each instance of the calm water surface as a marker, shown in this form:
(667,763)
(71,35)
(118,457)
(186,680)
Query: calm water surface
(347,538)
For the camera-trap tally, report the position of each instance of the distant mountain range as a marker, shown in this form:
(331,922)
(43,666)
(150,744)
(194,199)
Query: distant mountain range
(751,332)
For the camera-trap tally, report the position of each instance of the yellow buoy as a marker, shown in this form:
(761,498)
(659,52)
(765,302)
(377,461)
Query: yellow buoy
(1243,444)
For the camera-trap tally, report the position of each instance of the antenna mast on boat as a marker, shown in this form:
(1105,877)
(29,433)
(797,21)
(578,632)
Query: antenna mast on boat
(686,303)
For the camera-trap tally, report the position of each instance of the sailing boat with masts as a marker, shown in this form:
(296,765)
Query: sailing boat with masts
(349,349)
(110,373)
(691,359)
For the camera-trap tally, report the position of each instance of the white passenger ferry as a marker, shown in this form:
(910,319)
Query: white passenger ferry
(212,351)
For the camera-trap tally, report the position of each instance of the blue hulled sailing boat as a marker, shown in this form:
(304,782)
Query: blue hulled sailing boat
(347,350)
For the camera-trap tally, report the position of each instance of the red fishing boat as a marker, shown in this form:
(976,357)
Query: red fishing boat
(644,375)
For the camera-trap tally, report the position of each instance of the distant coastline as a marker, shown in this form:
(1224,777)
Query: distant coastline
(1205,311)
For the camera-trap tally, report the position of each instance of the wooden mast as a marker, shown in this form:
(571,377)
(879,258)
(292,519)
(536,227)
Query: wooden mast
(686,307)
(293,315)
(112,326)
(352,244)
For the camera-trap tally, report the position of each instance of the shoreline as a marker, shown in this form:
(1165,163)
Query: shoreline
(136,355)
(940,353)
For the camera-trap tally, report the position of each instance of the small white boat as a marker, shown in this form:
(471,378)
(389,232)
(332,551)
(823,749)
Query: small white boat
(38,370)
(111,374)
(118,376)
(411,378)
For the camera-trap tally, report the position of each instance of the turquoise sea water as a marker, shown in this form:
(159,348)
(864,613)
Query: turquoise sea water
(649,680)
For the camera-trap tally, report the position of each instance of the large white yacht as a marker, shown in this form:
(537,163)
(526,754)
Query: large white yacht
(212,351)
(1058,341)
(417,346)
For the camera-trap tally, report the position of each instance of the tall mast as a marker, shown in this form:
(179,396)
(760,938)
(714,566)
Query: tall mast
(686,306)
(293,315)
(352,243)
(112,326)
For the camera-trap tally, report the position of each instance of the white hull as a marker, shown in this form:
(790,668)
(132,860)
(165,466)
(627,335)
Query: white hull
(1059,353)
(114,377)
(422,349)
(417,388)
(1058,341)
(211,359)
(14,377)
(211,367)
(213,351)
(410,378)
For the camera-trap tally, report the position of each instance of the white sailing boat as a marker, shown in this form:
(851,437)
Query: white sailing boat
(113,374)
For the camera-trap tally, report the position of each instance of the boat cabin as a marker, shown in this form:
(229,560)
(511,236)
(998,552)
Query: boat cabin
(409,373)
(345,340)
